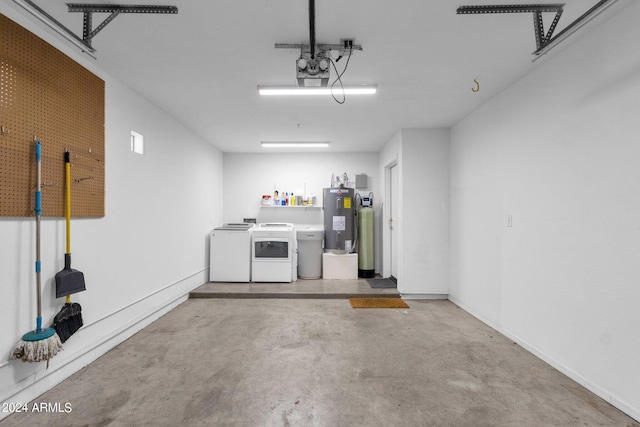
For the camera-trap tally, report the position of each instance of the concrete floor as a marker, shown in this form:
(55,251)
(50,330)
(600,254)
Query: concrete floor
(318,362)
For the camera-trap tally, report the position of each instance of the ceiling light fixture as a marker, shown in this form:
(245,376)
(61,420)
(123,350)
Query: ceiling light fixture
(294,144)
(297,91)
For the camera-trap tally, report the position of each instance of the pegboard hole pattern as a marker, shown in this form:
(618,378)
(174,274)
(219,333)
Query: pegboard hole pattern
(44,94)
(7,84)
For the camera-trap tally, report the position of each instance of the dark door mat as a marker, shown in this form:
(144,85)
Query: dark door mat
(381,283)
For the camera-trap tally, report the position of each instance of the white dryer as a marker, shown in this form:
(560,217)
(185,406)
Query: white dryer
(273,253)
(230,253)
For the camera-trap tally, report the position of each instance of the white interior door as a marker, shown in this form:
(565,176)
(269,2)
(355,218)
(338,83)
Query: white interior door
(394,204)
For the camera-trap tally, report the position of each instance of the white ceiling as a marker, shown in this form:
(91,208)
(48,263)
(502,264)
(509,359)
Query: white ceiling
(202,66)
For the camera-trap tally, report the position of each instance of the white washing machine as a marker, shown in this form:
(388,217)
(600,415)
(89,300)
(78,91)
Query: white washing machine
(230,253)
(273,253)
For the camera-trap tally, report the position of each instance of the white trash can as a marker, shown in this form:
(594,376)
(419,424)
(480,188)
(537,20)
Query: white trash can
(310,252)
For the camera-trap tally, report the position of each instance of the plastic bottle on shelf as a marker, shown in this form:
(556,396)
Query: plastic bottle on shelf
(293,199)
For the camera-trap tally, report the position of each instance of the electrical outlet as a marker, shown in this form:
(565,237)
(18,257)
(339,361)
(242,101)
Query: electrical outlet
(509,221)
(348,42)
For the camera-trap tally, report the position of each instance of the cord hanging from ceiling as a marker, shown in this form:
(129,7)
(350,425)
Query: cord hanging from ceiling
(339,76)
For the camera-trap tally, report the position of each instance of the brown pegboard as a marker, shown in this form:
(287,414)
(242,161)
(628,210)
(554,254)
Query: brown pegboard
(46,95)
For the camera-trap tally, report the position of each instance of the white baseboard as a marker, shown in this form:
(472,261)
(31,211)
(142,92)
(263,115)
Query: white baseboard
(76,355)
(424,296)
(594,388)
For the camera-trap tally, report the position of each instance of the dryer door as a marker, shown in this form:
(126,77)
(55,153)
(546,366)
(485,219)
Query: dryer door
(274,248)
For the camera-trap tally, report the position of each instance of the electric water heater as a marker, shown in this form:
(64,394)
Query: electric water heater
(339,220)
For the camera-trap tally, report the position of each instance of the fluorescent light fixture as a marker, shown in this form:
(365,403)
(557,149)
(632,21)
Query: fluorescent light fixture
(56,26)
(294,144)
(298,90)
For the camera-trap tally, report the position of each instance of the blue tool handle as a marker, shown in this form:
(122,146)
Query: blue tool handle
(38,207)
(38,202)
(38,324)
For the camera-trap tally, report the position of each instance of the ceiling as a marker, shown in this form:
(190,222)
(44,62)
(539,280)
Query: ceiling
(202,65)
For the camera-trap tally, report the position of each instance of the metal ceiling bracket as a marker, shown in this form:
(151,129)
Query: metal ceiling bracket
(542,39)
(88,32)
(56,26)
(306,48)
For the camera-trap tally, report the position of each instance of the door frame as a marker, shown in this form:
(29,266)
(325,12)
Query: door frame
(386,214)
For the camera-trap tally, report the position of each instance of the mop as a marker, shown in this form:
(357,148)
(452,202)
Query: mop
(40,344)
(68,280)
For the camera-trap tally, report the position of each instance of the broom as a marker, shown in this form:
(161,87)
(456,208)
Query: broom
(39,344)
(68,281)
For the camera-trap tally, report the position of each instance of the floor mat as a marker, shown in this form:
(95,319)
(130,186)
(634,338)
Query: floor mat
(377,303)
(382,283)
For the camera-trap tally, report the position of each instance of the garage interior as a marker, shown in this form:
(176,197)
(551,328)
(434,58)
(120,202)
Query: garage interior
(509,170)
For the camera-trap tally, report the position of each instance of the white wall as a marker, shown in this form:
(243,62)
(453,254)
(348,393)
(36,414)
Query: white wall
(425,214)
(139,261)
(422,220)
(559,152)
(248,176)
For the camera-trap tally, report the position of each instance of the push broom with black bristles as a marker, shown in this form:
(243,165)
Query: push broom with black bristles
(68,280)
(40,344)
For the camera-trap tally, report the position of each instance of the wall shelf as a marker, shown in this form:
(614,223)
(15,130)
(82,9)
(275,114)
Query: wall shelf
(291,207)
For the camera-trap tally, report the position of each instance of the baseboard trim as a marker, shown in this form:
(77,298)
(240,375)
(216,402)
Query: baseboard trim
(424,296)
(42,380)
(595,389)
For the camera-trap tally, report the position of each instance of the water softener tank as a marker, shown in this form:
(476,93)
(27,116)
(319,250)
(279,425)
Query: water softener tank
(339,218)
(366,261)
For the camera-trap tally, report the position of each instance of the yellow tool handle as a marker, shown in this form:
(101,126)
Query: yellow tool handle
(67,205)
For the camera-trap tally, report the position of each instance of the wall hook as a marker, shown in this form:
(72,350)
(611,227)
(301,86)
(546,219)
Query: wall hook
(477,88)
(5,131)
